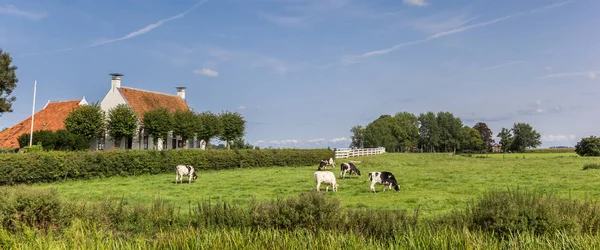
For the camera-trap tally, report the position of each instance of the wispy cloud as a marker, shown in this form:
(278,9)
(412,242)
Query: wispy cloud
(443,21)
(354,58)
(502,65)
(14,11)
(339,139)
(206,72)
(295,143)
(552,138)
(421,3)
(133,34)
(589,74)
(241,107)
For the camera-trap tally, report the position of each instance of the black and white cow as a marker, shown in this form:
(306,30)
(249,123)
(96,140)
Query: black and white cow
(385,179)
(185,170)
(348,168)
(325,163)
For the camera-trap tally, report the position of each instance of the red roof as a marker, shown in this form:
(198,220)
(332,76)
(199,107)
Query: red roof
(142,101)
(50,118)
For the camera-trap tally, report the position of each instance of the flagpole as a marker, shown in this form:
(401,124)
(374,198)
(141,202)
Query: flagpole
(32,114)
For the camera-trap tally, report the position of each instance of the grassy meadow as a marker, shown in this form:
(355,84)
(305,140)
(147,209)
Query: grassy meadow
(434,183)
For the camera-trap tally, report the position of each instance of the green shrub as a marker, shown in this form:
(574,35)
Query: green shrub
(591,166)
(589,146)
(58,165)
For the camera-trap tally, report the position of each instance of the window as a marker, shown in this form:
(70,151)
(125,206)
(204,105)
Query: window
(129,142)
(180,143)
(101,143)
(146,142)
(190,143)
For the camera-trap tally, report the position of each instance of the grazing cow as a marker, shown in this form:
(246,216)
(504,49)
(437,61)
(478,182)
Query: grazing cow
(349,168)
(385,179)
(324,163)
(185,170)
(326,177)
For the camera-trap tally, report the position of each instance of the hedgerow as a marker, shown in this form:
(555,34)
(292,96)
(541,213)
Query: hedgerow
(57,165)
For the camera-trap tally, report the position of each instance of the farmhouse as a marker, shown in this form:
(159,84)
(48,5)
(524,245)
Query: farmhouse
(141,101)
(51,117)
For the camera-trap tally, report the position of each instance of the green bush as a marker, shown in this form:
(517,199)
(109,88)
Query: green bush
(589,146)
(58,140)
(58,165)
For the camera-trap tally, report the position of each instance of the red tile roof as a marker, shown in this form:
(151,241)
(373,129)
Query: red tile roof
(50,118)
(142,101)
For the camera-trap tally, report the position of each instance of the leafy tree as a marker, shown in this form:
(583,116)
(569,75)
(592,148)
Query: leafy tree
(450,128)
(358,136)
(383,132)
(8,82)
(158,123)
(524,137)
(506,139)
(409,124)
(184,125)
(241,144)
(122,122)
(589,146)
(66,140)
(486,135)
(429,134)
(472,140)
(46,137)
(234,127)
(86,120)
(208,126)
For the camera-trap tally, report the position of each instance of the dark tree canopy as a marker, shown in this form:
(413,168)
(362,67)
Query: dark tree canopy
(208,126)
(158,123)
(486,134)
(184,125)
(87,120)
(524,137)
(589,146)
(8,82)
(234,126)
(506,139)
(122,122)
(358,136)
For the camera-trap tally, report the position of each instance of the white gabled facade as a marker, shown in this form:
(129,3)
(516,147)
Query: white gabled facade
(139,140)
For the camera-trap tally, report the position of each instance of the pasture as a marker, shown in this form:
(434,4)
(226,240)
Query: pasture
(434,183)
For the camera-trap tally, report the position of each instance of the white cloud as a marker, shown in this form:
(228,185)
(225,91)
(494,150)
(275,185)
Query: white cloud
(339,139)
(502,65)
(421,3)
(206,72)
(552,138)
(589,74)
(241,107)
(353,59)
(14,11)
(316,140)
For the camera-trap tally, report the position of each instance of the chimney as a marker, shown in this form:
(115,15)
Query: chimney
(181,92)
(115,80)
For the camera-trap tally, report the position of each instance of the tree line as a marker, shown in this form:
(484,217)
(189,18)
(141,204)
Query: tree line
(87,122)
(441,132)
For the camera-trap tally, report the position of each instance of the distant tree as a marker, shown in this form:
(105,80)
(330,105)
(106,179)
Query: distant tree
(46,137)
(409,125)
(472,140)
(208,126)
(241,144)
(122,122)
(450,128)
(486,135)
(86,120)
(506,139)
(234,127)
(358,136)
(383,132)
(158,123)
(8,82)
(589,146)
(429,133)
(68,141)
(524,137)
(185,125)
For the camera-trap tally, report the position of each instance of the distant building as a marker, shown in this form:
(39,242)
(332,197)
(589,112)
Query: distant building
(51,117)
(496,148)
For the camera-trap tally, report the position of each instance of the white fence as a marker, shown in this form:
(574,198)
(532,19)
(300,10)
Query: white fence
(349,152)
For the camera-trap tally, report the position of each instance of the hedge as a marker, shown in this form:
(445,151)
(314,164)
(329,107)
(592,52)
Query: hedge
(58,165)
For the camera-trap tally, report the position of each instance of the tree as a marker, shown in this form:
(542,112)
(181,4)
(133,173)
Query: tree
(358,136)
(383,132)
(234,127)
(208,126)
(524,137)
(450,128)
(589,146)
(429,134)
(409,124)
(184,125)
(241,144)
(158,123)
(8,82)
(472,140)
(122,122)
(506,139)
(486,135)
(86,120)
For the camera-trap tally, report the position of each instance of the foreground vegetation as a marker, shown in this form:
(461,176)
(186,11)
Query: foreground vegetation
(498,219)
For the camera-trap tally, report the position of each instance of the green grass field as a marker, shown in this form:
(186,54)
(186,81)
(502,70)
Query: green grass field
(436,183)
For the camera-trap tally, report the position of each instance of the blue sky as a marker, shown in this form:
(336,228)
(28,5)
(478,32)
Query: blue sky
(303,72)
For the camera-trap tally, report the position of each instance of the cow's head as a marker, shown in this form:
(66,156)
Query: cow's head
(357,171)
(194,176)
